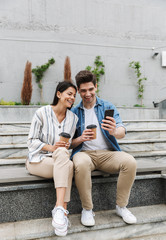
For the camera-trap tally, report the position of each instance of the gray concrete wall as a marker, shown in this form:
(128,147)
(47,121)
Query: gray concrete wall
(119,31)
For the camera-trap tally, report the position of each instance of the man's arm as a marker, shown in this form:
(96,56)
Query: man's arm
(87,135)
(109,124)
(119,132)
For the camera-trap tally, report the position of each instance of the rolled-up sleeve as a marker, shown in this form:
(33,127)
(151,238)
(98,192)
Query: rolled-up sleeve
(118,119)
(34,143)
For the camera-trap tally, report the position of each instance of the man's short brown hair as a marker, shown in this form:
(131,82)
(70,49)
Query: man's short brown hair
(85,76)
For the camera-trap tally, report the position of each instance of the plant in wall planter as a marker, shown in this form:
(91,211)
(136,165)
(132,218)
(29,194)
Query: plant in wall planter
(26,91)
(39,72)
(67,70)
(98,70)
(136,66)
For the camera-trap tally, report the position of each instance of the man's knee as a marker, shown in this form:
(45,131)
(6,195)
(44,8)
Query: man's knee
(129,162)
(81,162)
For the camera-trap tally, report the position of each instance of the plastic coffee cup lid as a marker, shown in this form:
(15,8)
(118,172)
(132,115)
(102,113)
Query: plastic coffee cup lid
(66,135)
(91,126)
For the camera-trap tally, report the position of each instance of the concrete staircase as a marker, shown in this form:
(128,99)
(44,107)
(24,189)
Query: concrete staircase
(29,199)
(145,139)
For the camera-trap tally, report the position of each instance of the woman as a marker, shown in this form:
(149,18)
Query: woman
(48,156)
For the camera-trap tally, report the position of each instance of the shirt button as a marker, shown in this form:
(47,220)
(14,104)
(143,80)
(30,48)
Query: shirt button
(59,126)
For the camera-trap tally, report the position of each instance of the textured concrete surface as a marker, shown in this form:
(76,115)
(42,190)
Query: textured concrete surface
(151,220)
(36,200)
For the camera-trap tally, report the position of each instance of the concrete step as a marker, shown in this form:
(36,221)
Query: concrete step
(34,197)
(130,124)
(151,224)
(13,138)
(25,113)
(145,124)
(14,162)
(15,167)
(6,127)
(20,174)
(146,145)
(138,113)
(151,237)
(137,134)
(127,145)
(17,174)
(13,151)
(158,156)
(141,157)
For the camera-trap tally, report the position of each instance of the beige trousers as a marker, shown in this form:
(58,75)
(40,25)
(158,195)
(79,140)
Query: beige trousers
(109,162)
(59,167)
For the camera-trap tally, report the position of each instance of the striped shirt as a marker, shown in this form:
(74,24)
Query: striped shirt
(45,129)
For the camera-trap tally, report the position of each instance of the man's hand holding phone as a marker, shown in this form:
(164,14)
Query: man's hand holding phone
(109,123)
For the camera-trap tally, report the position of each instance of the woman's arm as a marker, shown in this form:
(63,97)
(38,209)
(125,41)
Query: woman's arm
(34,143)
(52,148)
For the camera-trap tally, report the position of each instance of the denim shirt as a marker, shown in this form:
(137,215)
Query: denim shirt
(100,107)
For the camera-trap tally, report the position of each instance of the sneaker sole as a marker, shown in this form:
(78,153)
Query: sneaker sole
(125,219)
(60,233)
(56,225)
(87,225)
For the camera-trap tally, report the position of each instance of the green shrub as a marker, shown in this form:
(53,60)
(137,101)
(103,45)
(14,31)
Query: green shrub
(2,102)
(98,70)
(136,66)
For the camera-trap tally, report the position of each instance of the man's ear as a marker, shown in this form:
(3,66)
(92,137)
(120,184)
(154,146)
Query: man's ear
(96,87)
(78,90)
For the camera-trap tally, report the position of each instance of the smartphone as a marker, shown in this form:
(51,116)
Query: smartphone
(109,113)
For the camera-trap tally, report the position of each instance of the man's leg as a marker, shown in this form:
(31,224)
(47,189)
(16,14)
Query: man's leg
(125,164)
(83,166)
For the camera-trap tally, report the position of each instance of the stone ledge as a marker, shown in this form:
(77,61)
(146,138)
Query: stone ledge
(20,174)
(25,113)
(35,199)
(47,183)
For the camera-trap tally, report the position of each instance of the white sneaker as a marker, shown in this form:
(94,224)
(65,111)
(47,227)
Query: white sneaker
(62,232)
(127,216)
(87,218)
(60,221)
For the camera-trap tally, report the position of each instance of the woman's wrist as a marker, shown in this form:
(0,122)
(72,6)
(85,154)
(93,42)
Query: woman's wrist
(48,148)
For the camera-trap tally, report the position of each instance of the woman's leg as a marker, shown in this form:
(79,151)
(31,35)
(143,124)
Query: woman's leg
(60,168)
(41,169)
(63,174)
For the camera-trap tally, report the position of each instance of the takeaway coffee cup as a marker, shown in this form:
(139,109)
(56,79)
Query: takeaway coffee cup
(64,137)
(93,128)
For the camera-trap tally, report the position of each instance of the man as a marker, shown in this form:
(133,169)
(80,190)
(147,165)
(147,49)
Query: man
(102,153)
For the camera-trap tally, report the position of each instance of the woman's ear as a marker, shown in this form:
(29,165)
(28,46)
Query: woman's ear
(58,94)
